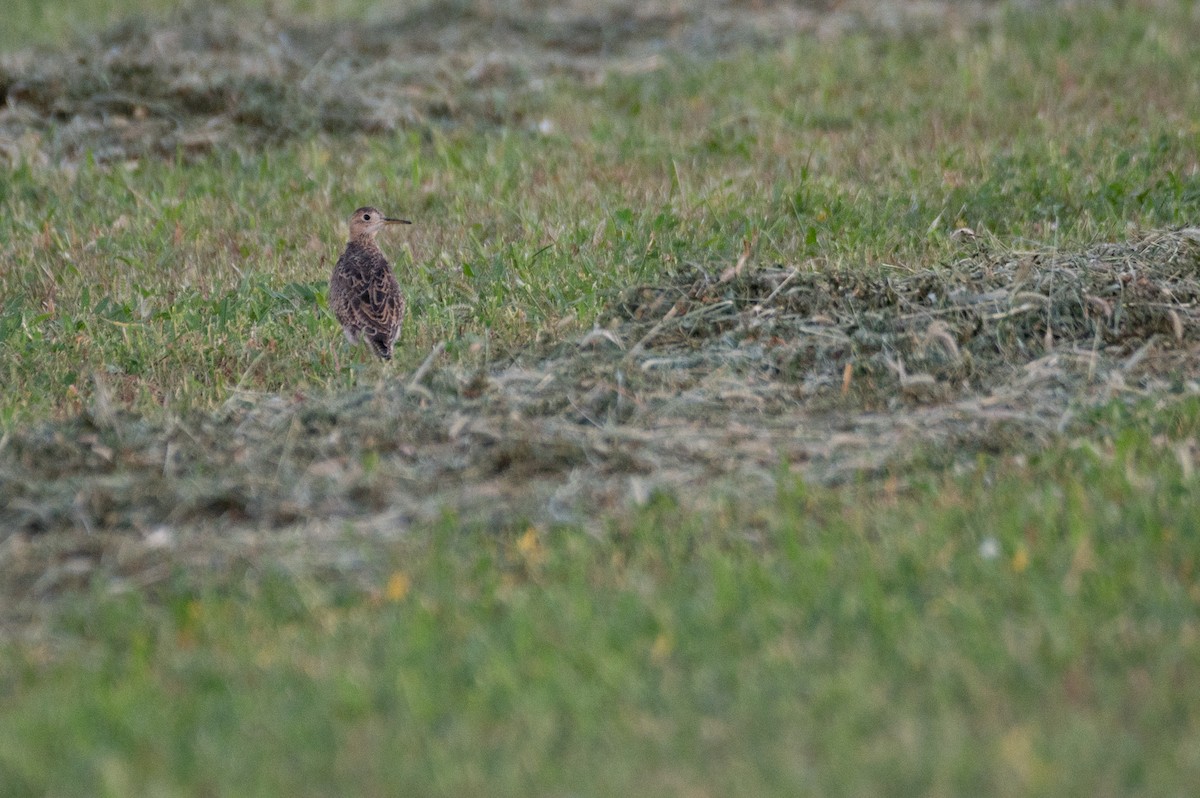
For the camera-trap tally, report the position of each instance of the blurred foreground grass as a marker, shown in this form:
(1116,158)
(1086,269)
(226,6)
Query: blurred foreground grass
(56,23)
(1023,629)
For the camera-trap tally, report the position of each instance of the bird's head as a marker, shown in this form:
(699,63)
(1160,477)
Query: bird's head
(367,221)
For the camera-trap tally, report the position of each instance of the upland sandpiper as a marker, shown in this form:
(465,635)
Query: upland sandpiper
(363,292)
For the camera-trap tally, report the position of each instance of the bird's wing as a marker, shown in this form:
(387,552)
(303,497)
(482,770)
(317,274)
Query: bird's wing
(345,285)
(382,306)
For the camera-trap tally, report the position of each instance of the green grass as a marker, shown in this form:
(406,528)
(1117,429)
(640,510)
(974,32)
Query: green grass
(847,642)
(840,641)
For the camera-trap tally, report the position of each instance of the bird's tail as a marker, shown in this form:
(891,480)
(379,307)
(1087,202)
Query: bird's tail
(381,345)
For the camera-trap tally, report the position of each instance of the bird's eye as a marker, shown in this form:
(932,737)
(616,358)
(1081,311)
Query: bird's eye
(366,217)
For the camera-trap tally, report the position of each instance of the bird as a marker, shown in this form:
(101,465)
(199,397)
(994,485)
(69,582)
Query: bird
(363,292)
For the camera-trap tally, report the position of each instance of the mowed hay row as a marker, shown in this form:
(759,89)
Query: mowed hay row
(1128,310)
(209,77)
(711,378)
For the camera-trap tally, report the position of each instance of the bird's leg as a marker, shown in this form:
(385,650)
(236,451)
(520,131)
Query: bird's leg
(381,373)
(361,363)
(347,347)
(354,363)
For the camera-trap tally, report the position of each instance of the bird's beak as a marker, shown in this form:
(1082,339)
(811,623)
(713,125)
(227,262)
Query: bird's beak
(396,221)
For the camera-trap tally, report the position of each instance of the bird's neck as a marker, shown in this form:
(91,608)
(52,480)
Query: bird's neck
(364,240)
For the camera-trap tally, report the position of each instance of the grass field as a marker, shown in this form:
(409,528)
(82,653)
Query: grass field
(792,401)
